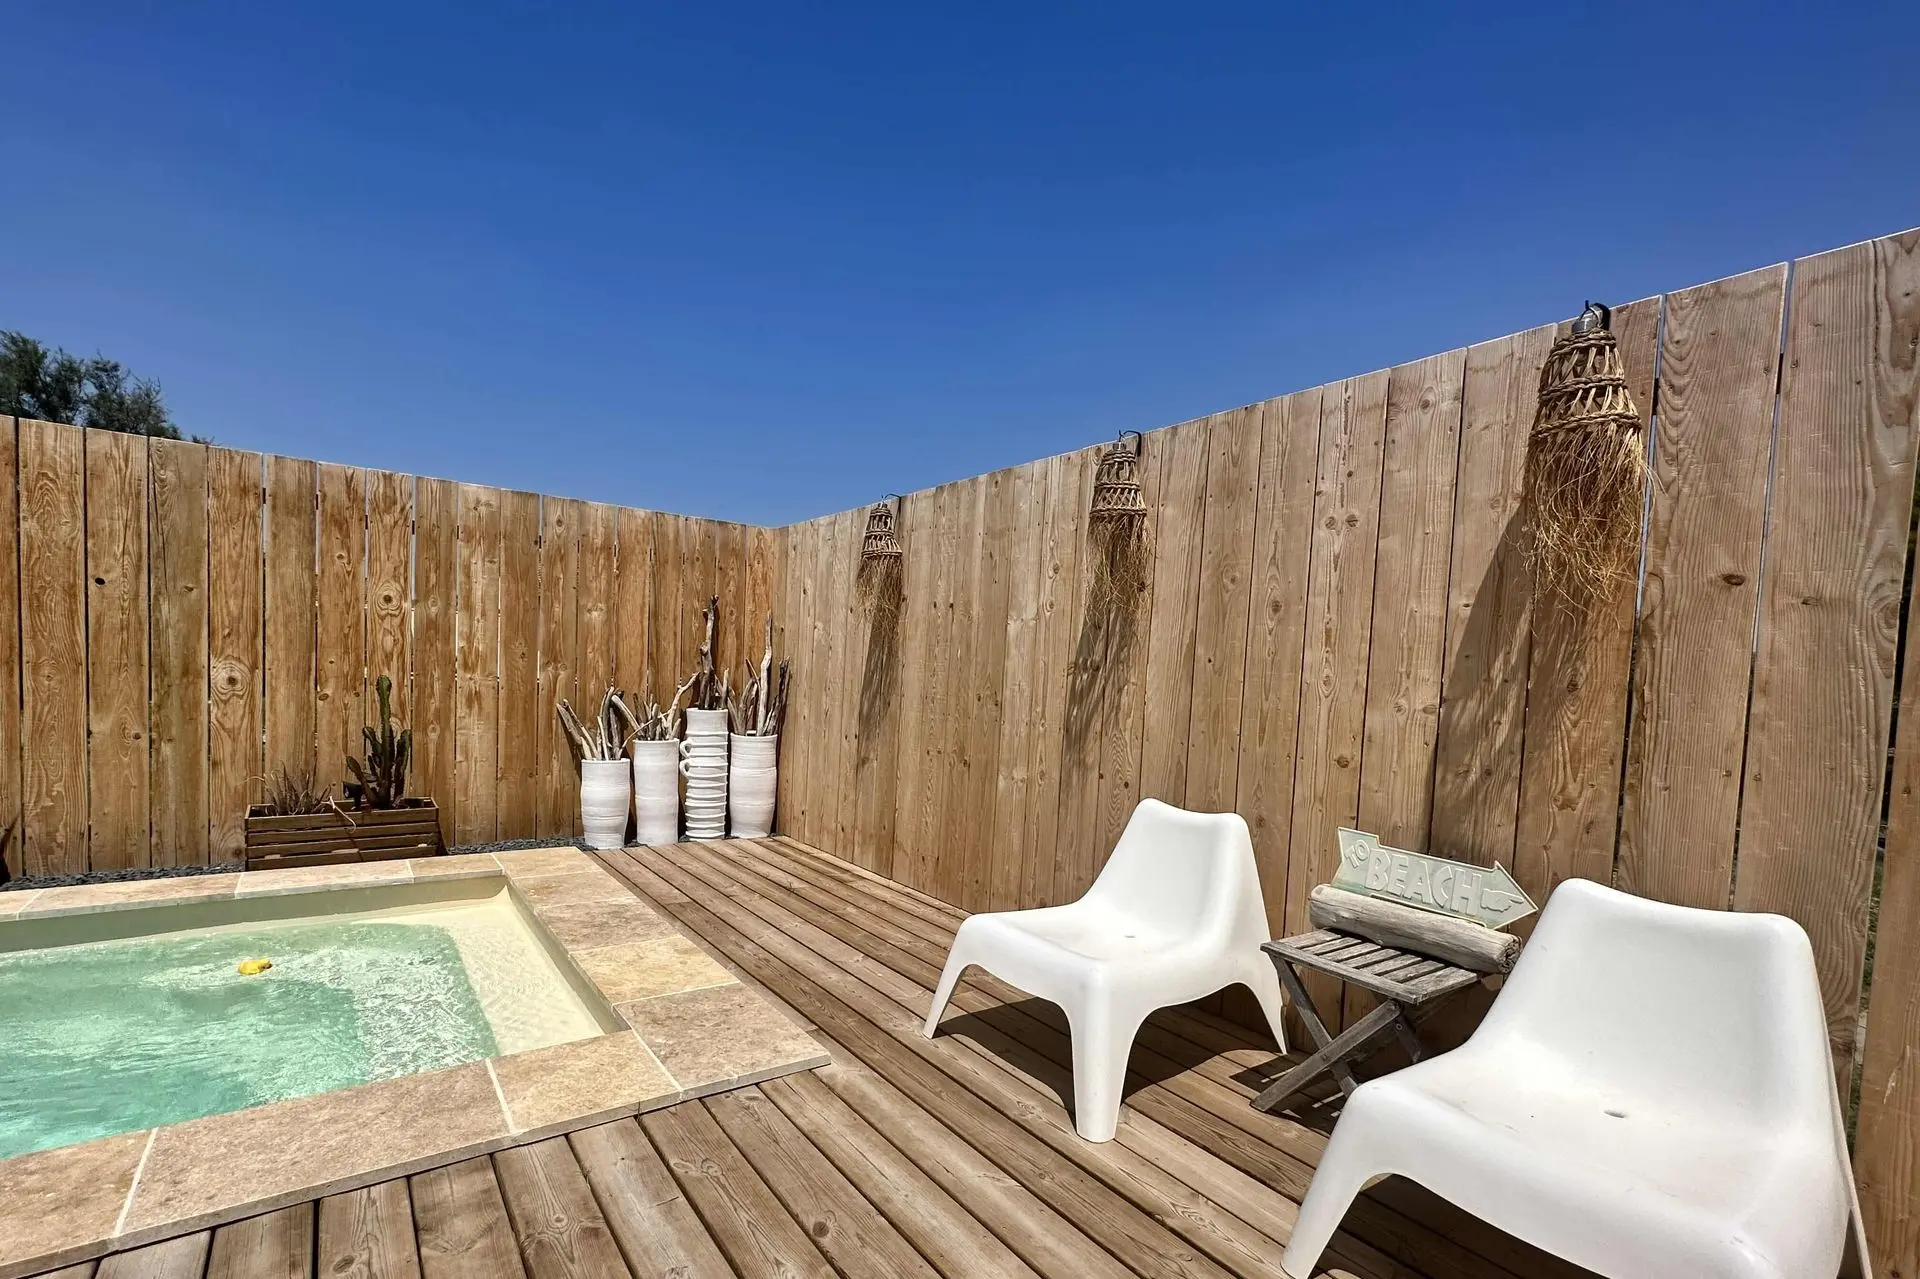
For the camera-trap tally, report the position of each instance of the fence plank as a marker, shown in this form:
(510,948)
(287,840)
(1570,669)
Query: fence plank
(53,647)
(1225,592)
(1017,744)
(558,657)
(1326,782)
(1718,365)
(739,637)
(1283,529)
(476,629)
(1577,697)
(117,728)
(235,653)
(390,586)
(1123,728)
(596,604)
(1829,637)
(522,718)
(10,748)
(1410,581)
(1179,531)
(340,620)
(290,617)
(663,606)
(633,570)
(1489,593)
(926,812)
(1090,693)
(435,522)
(180,693)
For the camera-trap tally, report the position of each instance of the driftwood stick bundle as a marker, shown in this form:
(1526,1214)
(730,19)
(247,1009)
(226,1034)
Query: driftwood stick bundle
(1388,923)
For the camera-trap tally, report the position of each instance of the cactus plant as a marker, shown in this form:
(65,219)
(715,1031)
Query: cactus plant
(380,781)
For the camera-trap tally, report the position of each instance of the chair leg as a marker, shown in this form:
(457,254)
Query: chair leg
(1102,1042)
(1264,981)
(957,961)
(1342,1174)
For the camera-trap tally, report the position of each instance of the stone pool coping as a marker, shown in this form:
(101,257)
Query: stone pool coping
(692,1028)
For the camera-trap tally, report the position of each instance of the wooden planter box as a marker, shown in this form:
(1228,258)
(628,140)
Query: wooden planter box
(329,838)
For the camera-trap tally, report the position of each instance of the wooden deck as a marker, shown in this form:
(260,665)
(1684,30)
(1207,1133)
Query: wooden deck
(906,1157)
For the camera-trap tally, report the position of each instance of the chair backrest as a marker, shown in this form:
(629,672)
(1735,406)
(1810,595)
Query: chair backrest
(1180,871)
(1717,1009)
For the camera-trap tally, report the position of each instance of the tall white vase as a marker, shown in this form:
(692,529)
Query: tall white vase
(606,795)
(703,762)
(752,778)
(656,792)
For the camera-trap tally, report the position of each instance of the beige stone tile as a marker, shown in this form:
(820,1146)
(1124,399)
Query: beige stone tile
(545,861)
(721,1037)
(588,925)
(59,1206)
(19,899)
(663,967)
(206,1170)
(461,866)
(301,879)
(553,890)
(567,1086)
(87,898)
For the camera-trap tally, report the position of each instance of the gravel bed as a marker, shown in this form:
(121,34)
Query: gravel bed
(219,868)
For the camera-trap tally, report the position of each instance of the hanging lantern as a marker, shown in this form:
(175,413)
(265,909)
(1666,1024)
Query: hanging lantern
(878,542)
(1116,484)
(1586,466)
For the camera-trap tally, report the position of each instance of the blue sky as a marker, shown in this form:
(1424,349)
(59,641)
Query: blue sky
(767,261)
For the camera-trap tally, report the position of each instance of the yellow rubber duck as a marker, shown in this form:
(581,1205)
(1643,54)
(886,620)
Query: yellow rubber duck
(254,967)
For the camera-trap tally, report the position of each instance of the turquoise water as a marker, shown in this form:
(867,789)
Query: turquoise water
(113,1036)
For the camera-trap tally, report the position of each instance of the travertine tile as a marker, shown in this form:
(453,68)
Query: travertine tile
(200,1172)
(13,903)
(60,1206)
(585,886)
(663,967)
(461,866)
(590,925)
(721,1037)
(88,898)
(544,861)
(300,879)
(567,1086)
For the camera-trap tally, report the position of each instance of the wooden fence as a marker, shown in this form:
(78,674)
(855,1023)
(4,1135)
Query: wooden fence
(1337,629)
(191,618)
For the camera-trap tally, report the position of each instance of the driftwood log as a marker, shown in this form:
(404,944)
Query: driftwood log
(1390,924)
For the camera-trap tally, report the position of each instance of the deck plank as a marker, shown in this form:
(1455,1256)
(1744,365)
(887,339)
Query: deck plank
(747,1220)
(651,1220)
(276,1245)
(461,1224)
(368,1234)
(183,1257)
(562,1232)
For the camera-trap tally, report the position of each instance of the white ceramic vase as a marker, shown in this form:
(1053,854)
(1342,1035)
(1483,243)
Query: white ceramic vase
(656,792)
(606,795)
(752,778)
(703,762)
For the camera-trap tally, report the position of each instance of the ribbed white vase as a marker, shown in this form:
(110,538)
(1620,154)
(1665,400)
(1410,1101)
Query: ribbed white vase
(752,778)
(703,762)
(606,795)
(656,792)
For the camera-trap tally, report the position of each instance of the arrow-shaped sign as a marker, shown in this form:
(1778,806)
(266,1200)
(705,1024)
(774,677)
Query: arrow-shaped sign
(1464,891)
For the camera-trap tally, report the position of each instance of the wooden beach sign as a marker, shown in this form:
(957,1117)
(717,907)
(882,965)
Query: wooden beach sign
(1484,896)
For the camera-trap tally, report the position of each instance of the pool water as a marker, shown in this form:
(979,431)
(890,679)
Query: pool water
(112,1036)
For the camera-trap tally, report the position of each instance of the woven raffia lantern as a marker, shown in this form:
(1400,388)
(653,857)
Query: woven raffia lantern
(879,542)
(1586,466)
(1116,484)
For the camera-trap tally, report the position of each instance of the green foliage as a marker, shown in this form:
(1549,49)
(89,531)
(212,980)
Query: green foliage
(291,794)
(47,383)
(381,780)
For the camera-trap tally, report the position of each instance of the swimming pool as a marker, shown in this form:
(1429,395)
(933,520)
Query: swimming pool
(135,1018)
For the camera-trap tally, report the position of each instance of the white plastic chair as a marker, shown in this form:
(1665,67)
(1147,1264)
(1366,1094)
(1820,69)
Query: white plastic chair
(1175,915)
(1651,1095)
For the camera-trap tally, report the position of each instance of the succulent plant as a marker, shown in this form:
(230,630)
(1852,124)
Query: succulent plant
(380,781)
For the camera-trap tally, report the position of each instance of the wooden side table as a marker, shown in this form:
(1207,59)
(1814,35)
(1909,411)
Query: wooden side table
(1404,980)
